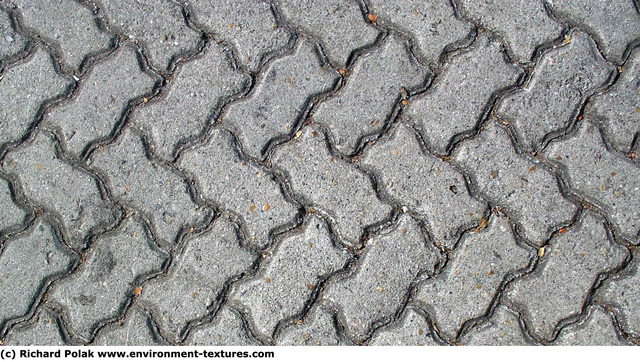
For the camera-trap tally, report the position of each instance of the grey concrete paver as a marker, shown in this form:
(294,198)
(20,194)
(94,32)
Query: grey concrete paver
(134,330)
(502,329)
(11,43)
(306,172)
(318,328)
(68,24)
(604,177)
(597,330)
(561,82)
(618,109)
(622,292)
(226,329)
(44,330)
(458,99)
(159,25)
(248,191)
(614,24)
(367,100)
(432,25)
(101,100)
(152,188)
(472,276)
(524,24)
(339,25)
(287,276)
(198,90)
(100,287)
(195,278)
(27,262)
(23,88)
(526,190)
(71,193)
(411,330)
(427,185)
(279,100)
(10,213)
(250,26)
(330,184)
(377,288)
(570,265)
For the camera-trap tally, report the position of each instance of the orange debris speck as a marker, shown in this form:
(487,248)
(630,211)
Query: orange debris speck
(137,291)
(372,17)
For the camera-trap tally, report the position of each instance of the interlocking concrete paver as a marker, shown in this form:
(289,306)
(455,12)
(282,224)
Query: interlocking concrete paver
(570,266)
(317,329)
(377,288)
(615,23)
(338,24)
(23,88)
(42,331)
(135,330)
(101,100)
(226,329)
(288,276)
(330,184)
(524,24)
(10,213)
(597,330)
(427,185)
(11,43)
(459,96)
(249,25)
(27,262)
(150,187)
(248,191)
(100,287)
(502,329)
(622,292)
(526,190)
(158,24)
(305,172)
(412,329)
(601,176)
(432,25)
(618,109)
(71,193)
(280,97)
(561,82)
(367,99)
(68,24)
(196,277)
(471,278)
(198,90)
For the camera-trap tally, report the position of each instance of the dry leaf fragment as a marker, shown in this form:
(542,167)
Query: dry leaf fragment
(266,207)
(372,17)
(541,252)
(137,291)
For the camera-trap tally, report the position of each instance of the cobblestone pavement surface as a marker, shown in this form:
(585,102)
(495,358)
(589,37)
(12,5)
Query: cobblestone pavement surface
(329,172)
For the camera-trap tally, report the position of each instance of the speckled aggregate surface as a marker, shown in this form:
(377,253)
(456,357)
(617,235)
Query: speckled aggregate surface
(339,172)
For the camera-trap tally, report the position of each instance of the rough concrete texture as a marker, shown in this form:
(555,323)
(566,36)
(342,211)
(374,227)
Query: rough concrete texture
(561,82)
(367,100)
(249,26)
(11,43)
(432,25)
(607,179)
(377,288)
(77,36)
(523,24)
(23,89)
(287,276)
(569,267)
(459,97)
(472,276)
(279,100)
(526,190)
(618,109)
(306,172)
